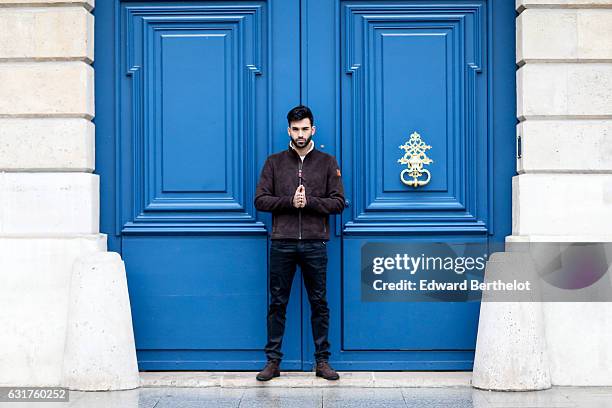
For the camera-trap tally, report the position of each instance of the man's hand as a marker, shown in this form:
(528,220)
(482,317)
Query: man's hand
(299,198)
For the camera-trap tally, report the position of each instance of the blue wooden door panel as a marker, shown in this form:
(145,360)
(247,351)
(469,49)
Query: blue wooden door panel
(413,63)
(406,68)
(184,299)
(376,71)
(195,82)
(397,326)
(186,86)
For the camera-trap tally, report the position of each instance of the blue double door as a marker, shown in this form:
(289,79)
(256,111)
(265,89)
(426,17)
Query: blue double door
(191,99)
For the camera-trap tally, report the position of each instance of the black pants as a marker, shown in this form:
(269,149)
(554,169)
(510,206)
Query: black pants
(311,256)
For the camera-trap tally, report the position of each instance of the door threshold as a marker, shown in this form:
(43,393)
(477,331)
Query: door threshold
(297,379)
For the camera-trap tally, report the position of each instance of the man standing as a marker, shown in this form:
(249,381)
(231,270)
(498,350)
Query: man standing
(300,186)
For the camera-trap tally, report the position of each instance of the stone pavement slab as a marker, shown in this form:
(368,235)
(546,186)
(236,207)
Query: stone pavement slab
(336,397)
(332,397)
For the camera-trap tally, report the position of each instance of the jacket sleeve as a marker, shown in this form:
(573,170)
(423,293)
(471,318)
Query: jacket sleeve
(333,202)
(265,200)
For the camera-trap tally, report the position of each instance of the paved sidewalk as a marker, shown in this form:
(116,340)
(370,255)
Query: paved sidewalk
(263,397)
(301,390)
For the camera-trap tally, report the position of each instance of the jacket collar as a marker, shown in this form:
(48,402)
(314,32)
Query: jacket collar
(310,149)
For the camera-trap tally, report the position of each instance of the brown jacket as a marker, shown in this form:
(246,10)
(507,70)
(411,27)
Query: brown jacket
(280,177)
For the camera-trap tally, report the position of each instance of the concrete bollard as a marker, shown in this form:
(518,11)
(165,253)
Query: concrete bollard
(100,353)
(511,344)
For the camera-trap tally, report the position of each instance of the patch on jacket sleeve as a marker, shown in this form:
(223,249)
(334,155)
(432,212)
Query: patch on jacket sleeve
(338,172)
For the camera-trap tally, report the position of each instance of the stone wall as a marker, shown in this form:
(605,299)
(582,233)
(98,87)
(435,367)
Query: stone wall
(564,98)
(49,196)
(564,188)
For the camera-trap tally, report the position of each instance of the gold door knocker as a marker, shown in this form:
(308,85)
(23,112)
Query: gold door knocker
(415,158)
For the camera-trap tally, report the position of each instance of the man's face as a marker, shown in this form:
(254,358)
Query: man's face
(301,132)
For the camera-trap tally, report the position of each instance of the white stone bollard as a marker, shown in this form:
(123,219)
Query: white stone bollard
(511,344)
(100,352)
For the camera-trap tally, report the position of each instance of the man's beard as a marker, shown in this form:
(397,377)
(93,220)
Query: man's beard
(306,143)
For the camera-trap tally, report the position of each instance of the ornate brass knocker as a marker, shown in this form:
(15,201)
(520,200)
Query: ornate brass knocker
(415,158)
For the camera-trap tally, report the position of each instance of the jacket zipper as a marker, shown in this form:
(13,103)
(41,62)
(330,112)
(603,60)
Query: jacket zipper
(300,163)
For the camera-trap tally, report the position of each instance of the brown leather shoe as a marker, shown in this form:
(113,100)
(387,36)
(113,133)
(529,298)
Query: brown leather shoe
(324,370)
(270,371)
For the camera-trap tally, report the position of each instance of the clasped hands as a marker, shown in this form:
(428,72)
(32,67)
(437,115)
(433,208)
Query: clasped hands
(299,198)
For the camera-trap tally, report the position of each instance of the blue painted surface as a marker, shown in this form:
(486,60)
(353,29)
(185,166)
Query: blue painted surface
(191,97)
(446,70)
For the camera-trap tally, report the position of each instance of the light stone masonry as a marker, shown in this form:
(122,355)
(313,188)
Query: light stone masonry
(43,203)
(564,34)
(562,204)
(47,89)
(34,297)
(565,146)
(46,33)
(50,208)
(47,144)
(563,192)
(552,4)
(564,90)
(87,4)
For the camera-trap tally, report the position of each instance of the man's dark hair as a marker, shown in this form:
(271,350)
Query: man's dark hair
(298,113)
